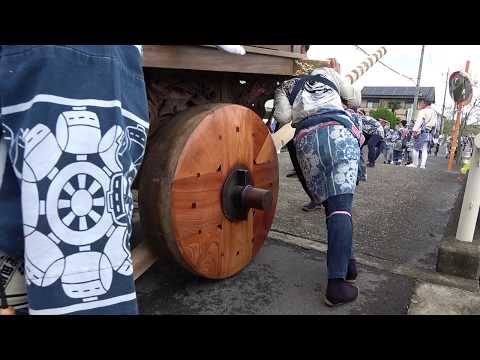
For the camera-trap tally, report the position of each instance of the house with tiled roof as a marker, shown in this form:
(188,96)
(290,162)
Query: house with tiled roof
(398,98)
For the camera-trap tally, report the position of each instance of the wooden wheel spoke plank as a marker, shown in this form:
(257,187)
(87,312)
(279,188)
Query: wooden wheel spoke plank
(263,154)
(237,246)
(143,257)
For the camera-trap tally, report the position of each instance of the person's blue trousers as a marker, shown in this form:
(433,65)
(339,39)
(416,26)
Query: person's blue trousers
(329,160)
(375,147)
(338,213)
(74,125)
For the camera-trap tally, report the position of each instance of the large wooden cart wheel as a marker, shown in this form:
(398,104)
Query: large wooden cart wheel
(209,188)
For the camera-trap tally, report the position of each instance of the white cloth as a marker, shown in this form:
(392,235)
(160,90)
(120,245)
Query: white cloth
(233,49)
(313,97)
(140,48)
(427,115)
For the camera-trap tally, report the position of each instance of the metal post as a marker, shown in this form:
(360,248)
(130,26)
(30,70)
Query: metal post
(415,101)
(471,199)
(443,106)
(459,138)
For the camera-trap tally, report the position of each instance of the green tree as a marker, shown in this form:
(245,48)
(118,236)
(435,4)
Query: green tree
(394,105)
(387,114)
(447,127)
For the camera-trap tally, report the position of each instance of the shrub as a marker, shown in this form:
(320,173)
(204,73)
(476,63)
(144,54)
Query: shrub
(387,114)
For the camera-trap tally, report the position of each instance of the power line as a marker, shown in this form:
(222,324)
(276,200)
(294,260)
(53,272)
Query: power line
(388,67)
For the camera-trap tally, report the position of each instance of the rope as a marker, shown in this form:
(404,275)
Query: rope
(388,67)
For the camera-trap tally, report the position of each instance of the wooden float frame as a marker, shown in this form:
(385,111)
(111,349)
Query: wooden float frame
(258,60)
(281,60)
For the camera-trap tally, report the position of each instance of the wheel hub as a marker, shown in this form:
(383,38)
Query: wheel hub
(239,195)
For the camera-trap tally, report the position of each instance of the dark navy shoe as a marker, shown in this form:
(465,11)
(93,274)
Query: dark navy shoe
(291,173)
(312,206)
(351,271)
(340,292)
(371,165)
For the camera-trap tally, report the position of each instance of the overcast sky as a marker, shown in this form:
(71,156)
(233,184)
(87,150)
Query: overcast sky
(405,59)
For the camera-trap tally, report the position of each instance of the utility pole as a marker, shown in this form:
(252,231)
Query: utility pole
(443,106)
(415,101)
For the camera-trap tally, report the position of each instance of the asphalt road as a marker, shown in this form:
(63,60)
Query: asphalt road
(400,215)
(283,279)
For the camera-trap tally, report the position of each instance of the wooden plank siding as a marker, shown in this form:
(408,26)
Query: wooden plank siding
(258,60)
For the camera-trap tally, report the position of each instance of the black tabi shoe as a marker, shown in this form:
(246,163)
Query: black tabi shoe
(340,292)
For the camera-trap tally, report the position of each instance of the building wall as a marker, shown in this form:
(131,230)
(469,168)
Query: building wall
(370,105)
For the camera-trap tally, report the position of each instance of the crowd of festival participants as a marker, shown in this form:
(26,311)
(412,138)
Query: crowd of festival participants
(407,144)
(404,144)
